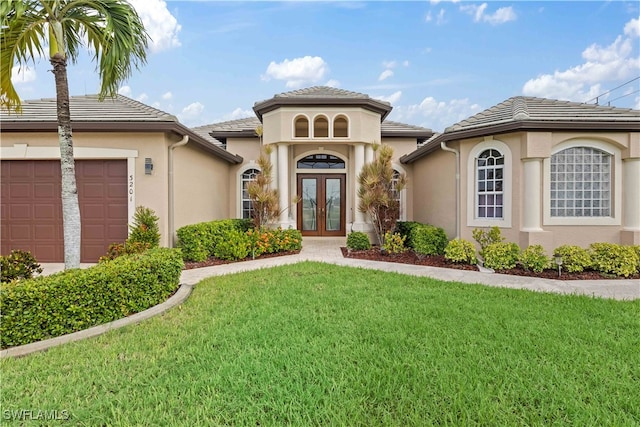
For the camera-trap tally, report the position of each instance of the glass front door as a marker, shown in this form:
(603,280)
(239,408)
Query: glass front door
(321,211)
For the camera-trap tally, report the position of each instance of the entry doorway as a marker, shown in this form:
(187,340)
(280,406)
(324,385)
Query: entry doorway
(321,211)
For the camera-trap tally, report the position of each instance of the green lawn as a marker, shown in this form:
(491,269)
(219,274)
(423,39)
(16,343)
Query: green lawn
(317,344)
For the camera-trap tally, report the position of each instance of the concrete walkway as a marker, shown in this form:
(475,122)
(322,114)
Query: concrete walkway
(327,250)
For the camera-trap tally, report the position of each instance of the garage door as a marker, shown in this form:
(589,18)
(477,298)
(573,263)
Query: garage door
(31,217)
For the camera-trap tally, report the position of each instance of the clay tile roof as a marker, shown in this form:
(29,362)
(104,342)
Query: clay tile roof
(89,109)
(526,113)
(322,95)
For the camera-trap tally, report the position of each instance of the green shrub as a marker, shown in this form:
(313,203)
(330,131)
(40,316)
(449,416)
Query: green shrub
(233,246)
(486,238)
(501,255)
(127,248)
(73,300)
(358,241)
(198,241)
(535,258)
(273,240)
(428,240)
(636,248)
(144,228)
(574,258)
(394,243)
(404,229)
(614,259)
(461,251)
(18,265)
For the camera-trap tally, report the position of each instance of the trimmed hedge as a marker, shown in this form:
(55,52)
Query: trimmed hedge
(501,255)
(610,258)
(574,258)
(461,251)
(535,258)
(198,241)
(428,239)
(73,300)
(358,241)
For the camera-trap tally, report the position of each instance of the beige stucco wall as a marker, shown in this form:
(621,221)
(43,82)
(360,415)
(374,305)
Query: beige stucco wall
(192,167)
(434,189)
(432,204)
(201,184)
(364,125)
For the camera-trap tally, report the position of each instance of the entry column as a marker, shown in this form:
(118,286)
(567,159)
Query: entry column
(358,163)
(283,183)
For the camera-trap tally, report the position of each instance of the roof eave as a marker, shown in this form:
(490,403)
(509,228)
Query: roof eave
(520,126)
(264,107)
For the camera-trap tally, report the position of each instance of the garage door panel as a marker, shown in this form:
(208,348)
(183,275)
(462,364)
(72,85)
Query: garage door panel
(31,214)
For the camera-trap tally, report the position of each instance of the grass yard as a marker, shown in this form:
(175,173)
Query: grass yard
(317,344)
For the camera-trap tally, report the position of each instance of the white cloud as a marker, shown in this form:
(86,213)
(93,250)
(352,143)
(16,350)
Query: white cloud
(391,99)
(161,25)
(613,63)
(435,114)
(167,95)
(21,75)
(332,83)
(238,113)
(385,75)
(428,18)
(405,63)
(389,64)
(500,16)
(190,114)
(142,97)
(126,91)
(297,72)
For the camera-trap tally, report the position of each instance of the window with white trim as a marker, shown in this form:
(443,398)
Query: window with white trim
(247,205)
(580,183)
(301,127)
(397,196)
(490,185)
(321,127)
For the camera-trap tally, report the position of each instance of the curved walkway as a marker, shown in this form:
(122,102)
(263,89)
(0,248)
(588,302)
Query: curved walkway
(328,250)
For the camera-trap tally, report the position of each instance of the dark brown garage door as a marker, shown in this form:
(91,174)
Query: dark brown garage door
(31,217)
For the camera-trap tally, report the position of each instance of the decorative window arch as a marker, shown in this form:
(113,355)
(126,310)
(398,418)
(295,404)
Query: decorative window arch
(489,184)
(400,196)
(320,161)
(301,127)
(321,127)
(246,205)
(340,127)
(583,184)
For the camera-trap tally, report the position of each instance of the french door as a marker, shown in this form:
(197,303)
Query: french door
(321,211)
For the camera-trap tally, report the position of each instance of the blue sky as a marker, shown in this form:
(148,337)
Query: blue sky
(437,62)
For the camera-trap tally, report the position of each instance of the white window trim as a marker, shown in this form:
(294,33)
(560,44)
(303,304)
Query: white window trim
(507,186)
(403,193)
(241,171)
(616,181)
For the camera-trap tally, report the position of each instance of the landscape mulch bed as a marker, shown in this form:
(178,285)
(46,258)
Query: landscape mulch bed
(188,265)
(410,257)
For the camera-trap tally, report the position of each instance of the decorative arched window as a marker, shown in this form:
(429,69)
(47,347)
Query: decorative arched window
(340,127)
(301,127)
(321,161)
(247,205)
(490,185)
(397,195)
(321,127)
(580,183)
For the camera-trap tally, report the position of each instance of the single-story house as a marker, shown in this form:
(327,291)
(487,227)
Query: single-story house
(544,171)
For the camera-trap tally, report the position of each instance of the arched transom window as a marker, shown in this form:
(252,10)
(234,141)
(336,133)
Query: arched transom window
(321,161)
(247,205)
(580,183)
(489,185)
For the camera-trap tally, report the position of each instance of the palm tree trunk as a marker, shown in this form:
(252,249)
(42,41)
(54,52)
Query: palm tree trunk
(70,205)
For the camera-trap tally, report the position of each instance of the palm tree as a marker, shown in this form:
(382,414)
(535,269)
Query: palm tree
(114,32)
